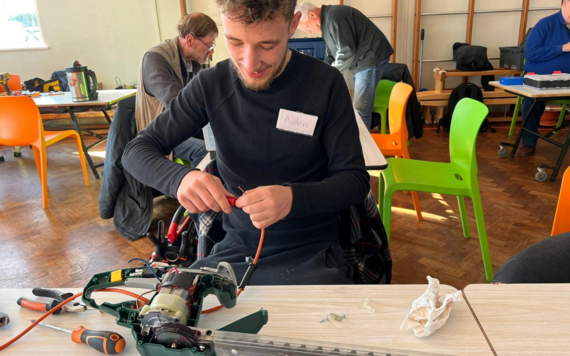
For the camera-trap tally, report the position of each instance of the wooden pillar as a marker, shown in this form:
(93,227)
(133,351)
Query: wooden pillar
(524,19)
(469,32)
(394,28)
(470,16)
(183,9)
(416,49)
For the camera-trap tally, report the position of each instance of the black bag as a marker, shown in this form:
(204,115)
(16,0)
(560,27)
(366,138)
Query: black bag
(43,86)
(473,58)
(62,76)
(465,90)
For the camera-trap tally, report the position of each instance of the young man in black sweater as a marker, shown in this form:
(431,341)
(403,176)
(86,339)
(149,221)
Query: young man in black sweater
(285,132)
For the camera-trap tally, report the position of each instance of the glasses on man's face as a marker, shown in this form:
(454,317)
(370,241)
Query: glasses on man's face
(210,46)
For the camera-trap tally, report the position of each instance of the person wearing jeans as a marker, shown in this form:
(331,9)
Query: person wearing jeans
(365,84)
(353,43)
(547,51)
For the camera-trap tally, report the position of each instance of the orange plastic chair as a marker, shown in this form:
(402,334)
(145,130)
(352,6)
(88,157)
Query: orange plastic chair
(395,143)
(21,125)
(561,219)
(14,83)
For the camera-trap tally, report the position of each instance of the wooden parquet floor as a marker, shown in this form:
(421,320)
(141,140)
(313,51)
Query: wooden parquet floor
(66,244)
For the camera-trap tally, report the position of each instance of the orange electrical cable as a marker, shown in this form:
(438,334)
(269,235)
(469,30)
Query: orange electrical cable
(39,319)
(144,300)
(57,307)
(134,295)
(211,310)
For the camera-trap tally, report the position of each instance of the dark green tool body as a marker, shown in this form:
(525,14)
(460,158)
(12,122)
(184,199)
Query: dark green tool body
(163,326)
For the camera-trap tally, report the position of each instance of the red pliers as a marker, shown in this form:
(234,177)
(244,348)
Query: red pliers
(57,296)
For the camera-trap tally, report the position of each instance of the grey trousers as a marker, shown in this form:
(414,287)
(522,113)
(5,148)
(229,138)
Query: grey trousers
(547,261)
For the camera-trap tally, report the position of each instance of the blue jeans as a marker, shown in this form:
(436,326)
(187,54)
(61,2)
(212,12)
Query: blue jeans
(533,120)
(193,149)
(365,84)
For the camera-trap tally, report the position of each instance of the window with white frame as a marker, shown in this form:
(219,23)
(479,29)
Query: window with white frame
(19,25)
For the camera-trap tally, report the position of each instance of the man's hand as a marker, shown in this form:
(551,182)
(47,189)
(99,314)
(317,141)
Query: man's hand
(199,192)
(566,47)
(266,205)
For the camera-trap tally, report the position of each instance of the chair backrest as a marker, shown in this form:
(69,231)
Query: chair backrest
(467,119)
(20,121)
(14,83)
(561,220)
(382,94)
(397,114)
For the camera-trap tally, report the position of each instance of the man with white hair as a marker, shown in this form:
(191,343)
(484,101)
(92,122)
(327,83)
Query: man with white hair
(354,43)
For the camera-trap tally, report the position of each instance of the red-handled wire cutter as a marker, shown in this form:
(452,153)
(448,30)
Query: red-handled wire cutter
(57,296)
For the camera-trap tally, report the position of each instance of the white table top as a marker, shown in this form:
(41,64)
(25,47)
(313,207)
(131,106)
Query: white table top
(523,319)
(373,157)
(294,311)
(105,97)
(530,92)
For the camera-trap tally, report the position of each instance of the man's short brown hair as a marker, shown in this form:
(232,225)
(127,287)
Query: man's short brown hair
(252,11)
(197,24)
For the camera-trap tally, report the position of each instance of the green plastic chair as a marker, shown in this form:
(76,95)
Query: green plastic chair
(382,101)
(457,178)
(564,104)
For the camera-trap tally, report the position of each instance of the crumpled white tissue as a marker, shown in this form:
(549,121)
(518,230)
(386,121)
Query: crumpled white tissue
(430,311)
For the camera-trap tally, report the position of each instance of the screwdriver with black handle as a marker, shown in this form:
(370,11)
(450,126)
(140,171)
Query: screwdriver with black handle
(107,342)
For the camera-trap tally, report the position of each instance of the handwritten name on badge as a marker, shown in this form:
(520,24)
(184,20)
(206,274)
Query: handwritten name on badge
(296,122)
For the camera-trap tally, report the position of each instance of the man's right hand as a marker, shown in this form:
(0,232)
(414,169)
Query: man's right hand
(200,191)
(566,47)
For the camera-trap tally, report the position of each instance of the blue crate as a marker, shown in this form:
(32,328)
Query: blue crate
(314,47)
(511,80)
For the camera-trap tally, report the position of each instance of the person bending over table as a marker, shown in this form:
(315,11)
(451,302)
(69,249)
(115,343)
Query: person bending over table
(353,43)
(285,132)
(547,50)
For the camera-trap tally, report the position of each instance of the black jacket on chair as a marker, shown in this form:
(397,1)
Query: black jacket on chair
(397,72)
(122,197)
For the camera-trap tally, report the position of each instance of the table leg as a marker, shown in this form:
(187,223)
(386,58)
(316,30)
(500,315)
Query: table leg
(85,151)
(106,116)
(560,159)
(522,130)
(17,151)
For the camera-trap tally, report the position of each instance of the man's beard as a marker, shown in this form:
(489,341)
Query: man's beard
(263,86)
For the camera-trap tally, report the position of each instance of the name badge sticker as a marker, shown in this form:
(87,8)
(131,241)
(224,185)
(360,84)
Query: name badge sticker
(297,122)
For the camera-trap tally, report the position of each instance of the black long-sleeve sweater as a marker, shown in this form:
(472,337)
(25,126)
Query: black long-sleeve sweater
(326,171)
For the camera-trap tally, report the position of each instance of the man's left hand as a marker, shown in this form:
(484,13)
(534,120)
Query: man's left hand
(266,205)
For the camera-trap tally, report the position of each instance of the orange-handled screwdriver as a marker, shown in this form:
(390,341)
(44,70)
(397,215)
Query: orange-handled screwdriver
(107,342)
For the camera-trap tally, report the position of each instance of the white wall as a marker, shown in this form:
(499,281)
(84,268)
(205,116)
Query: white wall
(490,30)
(110,36)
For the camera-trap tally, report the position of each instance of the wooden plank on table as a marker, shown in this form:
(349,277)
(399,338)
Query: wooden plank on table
(503,101)
(499,71)
(79,115)
(499,101)
(432,95)
(434,103)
